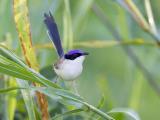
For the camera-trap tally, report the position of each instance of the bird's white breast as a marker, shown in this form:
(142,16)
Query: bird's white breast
(70,69)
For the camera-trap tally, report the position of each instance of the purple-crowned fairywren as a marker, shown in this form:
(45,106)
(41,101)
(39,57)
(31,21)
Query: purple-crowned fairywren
(70,65)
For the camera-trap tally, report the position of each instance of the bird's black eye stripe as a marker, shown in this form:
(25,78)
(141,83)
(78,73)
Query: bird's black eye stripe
(72,56)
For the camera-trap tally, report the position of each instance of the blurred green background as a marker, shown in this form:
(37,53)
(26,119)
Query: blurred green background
(108,71)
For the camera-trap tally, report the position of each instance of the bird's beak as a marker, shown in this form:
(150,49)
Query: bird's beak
(85,53)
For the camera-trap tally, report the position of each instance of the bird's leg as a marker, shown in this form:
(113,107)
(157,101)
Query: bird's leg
(74,85)
(63,85)
(56,79)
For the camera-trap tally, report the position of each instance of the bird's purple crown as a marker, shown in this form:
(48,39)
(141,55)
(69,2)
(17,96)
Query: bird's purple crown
(75,51)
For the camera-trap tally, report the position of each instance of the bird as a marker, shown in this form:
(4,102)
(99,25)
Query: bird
(69,65)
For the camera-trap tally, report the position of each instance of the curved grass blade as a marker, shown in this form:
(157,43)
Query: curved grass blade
(11,65)
(100,104)
(13,69)
(126,111)
(7,90)
(51,92)
(10,55)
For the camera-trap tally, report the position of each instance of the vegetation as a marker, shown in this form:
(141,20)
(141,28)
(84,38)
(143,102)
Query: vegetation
(120,80)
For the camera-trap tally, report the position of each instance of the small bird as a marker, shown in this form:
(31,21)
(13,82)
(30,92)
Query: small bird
(70,65)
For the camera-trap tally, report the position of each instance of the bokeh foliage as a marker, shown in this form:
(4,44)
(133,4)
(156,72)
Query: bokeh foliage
(108,71)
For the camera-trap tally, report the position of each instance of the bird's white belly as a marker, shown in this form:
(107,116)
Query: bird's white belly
(69,70)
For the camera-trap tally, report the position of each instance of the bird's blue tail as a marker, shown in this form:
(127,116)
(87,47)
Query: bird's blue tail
(53,33)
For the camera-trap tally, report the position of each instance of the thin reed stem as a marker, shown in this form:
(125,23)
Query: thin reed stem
(127,50)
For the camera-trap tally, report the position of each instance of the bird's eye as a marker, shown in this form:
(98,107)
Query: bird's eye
(72,56)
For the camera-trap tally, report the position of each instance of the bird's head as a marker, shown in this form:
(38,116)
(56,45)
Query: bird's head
(76,55)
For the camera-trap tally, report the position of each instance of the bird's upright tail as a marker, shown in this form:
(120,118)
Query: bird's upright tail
(53,33)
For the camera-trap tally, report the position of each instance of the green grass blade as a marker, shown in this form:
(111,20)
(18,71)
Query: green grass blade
(68,32)
(83,7)
(100,104)
(135,95)
(51,92)
(27,99)
(10,68)
(7,90)
(10,55)
(126,111)
(10,64)
(11,100)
